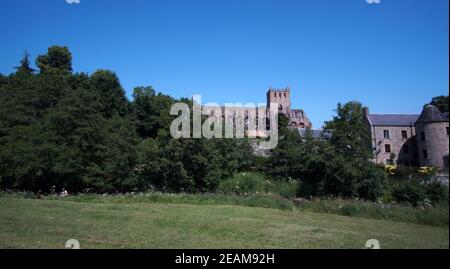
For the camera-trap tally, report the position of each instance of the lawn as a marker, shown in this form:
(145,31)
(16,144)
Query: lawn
(28,223)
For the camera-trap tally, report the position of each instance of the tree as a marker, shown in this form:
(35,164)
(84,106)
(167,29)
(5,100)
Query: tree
(340,166)
(351,136)
(57,61)
(24,68)
(151,112)
(350,171)
(441,102)
(285,158)
(113,98)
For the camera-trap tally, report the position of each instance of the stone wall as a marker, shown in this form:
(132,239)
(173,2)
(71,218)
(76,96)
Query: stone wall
(436,143)
(403,150)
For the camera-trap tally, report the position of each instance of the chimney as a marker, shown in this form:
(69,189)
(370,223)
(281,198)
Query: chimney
(366,111)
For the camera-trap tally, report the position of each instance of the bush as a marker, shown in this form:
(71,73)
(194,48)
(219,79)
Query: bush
(435,216)
(409,191)
(287,189)
(244,183)
(437,193)
(418,193)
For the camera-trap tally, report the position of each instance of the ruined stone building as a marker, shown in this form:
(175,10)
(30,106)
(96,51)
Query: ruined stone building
(297,117)
(282,97)
(410,139)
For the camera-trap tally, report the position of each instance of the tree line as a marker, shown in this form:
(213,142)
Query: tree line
(81,133)
(78,131)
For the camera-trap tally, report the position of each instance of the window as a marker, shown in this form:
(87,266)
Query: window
(425,154)
(386,134)
(387,148)
(404,134)
(422,135)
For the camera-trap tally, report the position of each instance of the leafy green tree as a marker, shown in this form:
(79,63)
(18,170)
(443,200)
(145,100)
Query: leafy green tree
(117,159)
(283,163)
(441,102)
(57,61)
(350,171)
(113,98)
(54,131)
(351,136)
(149,165)
(151,112)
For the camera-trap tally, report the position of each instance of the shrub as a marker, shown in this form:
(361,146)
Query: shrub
(417,193)
(435,216)
(437,193)
(409,191)
(244,183)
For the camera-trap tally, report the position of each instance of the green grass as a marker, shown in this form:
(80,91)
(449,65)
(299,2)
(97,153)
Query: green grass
(434,216)
(30,223)
(250,200)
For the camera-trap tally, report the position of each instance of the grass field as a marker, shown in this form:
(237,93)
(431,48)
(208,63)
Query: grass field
(27,223)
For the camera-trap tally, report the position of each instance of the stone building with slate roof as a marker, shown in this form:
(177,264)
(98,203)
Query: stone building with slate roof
(410,139)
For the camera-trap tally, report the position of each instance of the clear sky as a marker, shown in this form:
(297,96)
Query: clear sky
(392,56)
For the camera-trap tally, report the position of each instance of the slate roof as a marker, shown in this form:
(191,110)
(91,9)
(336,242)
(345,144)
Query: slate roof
(393,119)
(432,114)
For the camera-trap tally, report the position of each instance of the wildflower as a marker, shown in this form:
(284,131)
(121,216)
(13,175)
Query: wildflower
(425,170)
(390,169)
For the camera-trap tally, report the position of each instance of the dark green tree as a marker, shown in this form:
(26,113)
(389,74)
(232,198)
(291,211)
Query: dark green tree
(113,98)
(151,112)
(284,160)
(441,102)
(351,136)
(25,68)
(57,61)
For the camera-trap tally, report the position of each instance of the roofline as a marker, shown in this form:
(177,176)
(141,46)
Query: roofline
(409,125)
(393,125)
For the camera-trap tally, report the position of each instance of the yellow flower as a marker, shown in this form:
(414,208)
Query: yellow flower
(425,170)
(390,169)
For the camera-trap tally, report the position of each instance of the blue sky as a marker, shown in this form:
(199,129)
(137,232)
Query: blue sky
(391,56)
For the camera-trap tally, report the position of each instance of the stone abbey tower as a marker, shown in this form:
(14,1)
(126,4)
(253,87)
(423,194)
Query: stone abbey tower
(282,97)
(297,117)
